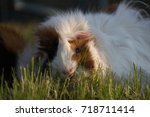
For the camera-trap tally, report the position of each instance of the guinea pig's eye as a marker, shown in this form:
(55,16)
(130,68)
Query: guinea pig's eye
(77,50)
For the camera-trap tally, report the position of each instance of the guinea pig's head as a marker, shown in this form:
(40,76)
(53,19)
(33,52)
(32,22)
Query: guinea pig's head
(65,39)
(65,53)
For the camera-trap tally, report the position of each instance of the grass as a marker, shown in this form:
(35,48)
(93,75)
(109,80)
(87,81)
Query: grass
(44,86)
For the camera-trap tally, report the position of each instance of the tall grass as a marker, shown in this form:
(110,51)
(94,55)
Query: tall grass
(45,86)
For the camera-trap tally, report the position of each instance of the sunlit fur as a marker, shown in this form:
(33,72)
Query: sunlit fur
(122,38)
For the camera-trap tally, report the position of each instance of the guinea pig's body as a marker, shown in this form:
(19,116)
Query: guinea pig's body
(92,40)
(123,38)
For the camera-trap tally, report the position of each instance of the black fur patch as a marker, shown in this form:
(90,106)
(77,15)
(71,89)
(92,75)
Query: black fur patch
(48,39)
(8,61)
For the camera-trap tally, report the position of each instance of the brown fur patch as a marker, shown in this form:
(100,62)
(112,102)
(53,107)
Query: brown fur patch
(11,39)
(47,33)
(48,39)
(84,57)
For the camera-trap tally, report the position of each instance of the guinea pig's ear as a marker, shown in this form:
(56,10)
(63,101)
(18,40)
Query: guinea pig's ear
(85,37)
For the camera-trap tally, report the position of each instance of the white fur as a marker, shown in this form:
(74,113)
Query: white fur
(122,38)
(68,24)
(62,62)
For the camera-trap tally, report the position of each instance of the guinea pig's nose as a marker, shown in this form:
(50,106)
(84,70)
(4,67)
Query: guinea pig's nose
(68,72)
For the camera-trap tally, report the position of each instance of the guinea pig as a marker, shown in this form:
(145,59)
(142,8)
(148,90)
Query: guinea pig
(92,40)
(11,46)
(15,53)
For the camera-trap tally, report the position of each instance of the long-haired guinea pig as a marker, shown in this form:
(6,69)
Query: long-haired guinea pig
(93,40)
(11,46)
(14,53)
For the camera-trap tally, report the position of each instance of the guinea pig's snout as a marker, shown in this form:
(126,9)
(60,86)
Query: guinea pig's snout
(68,71)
